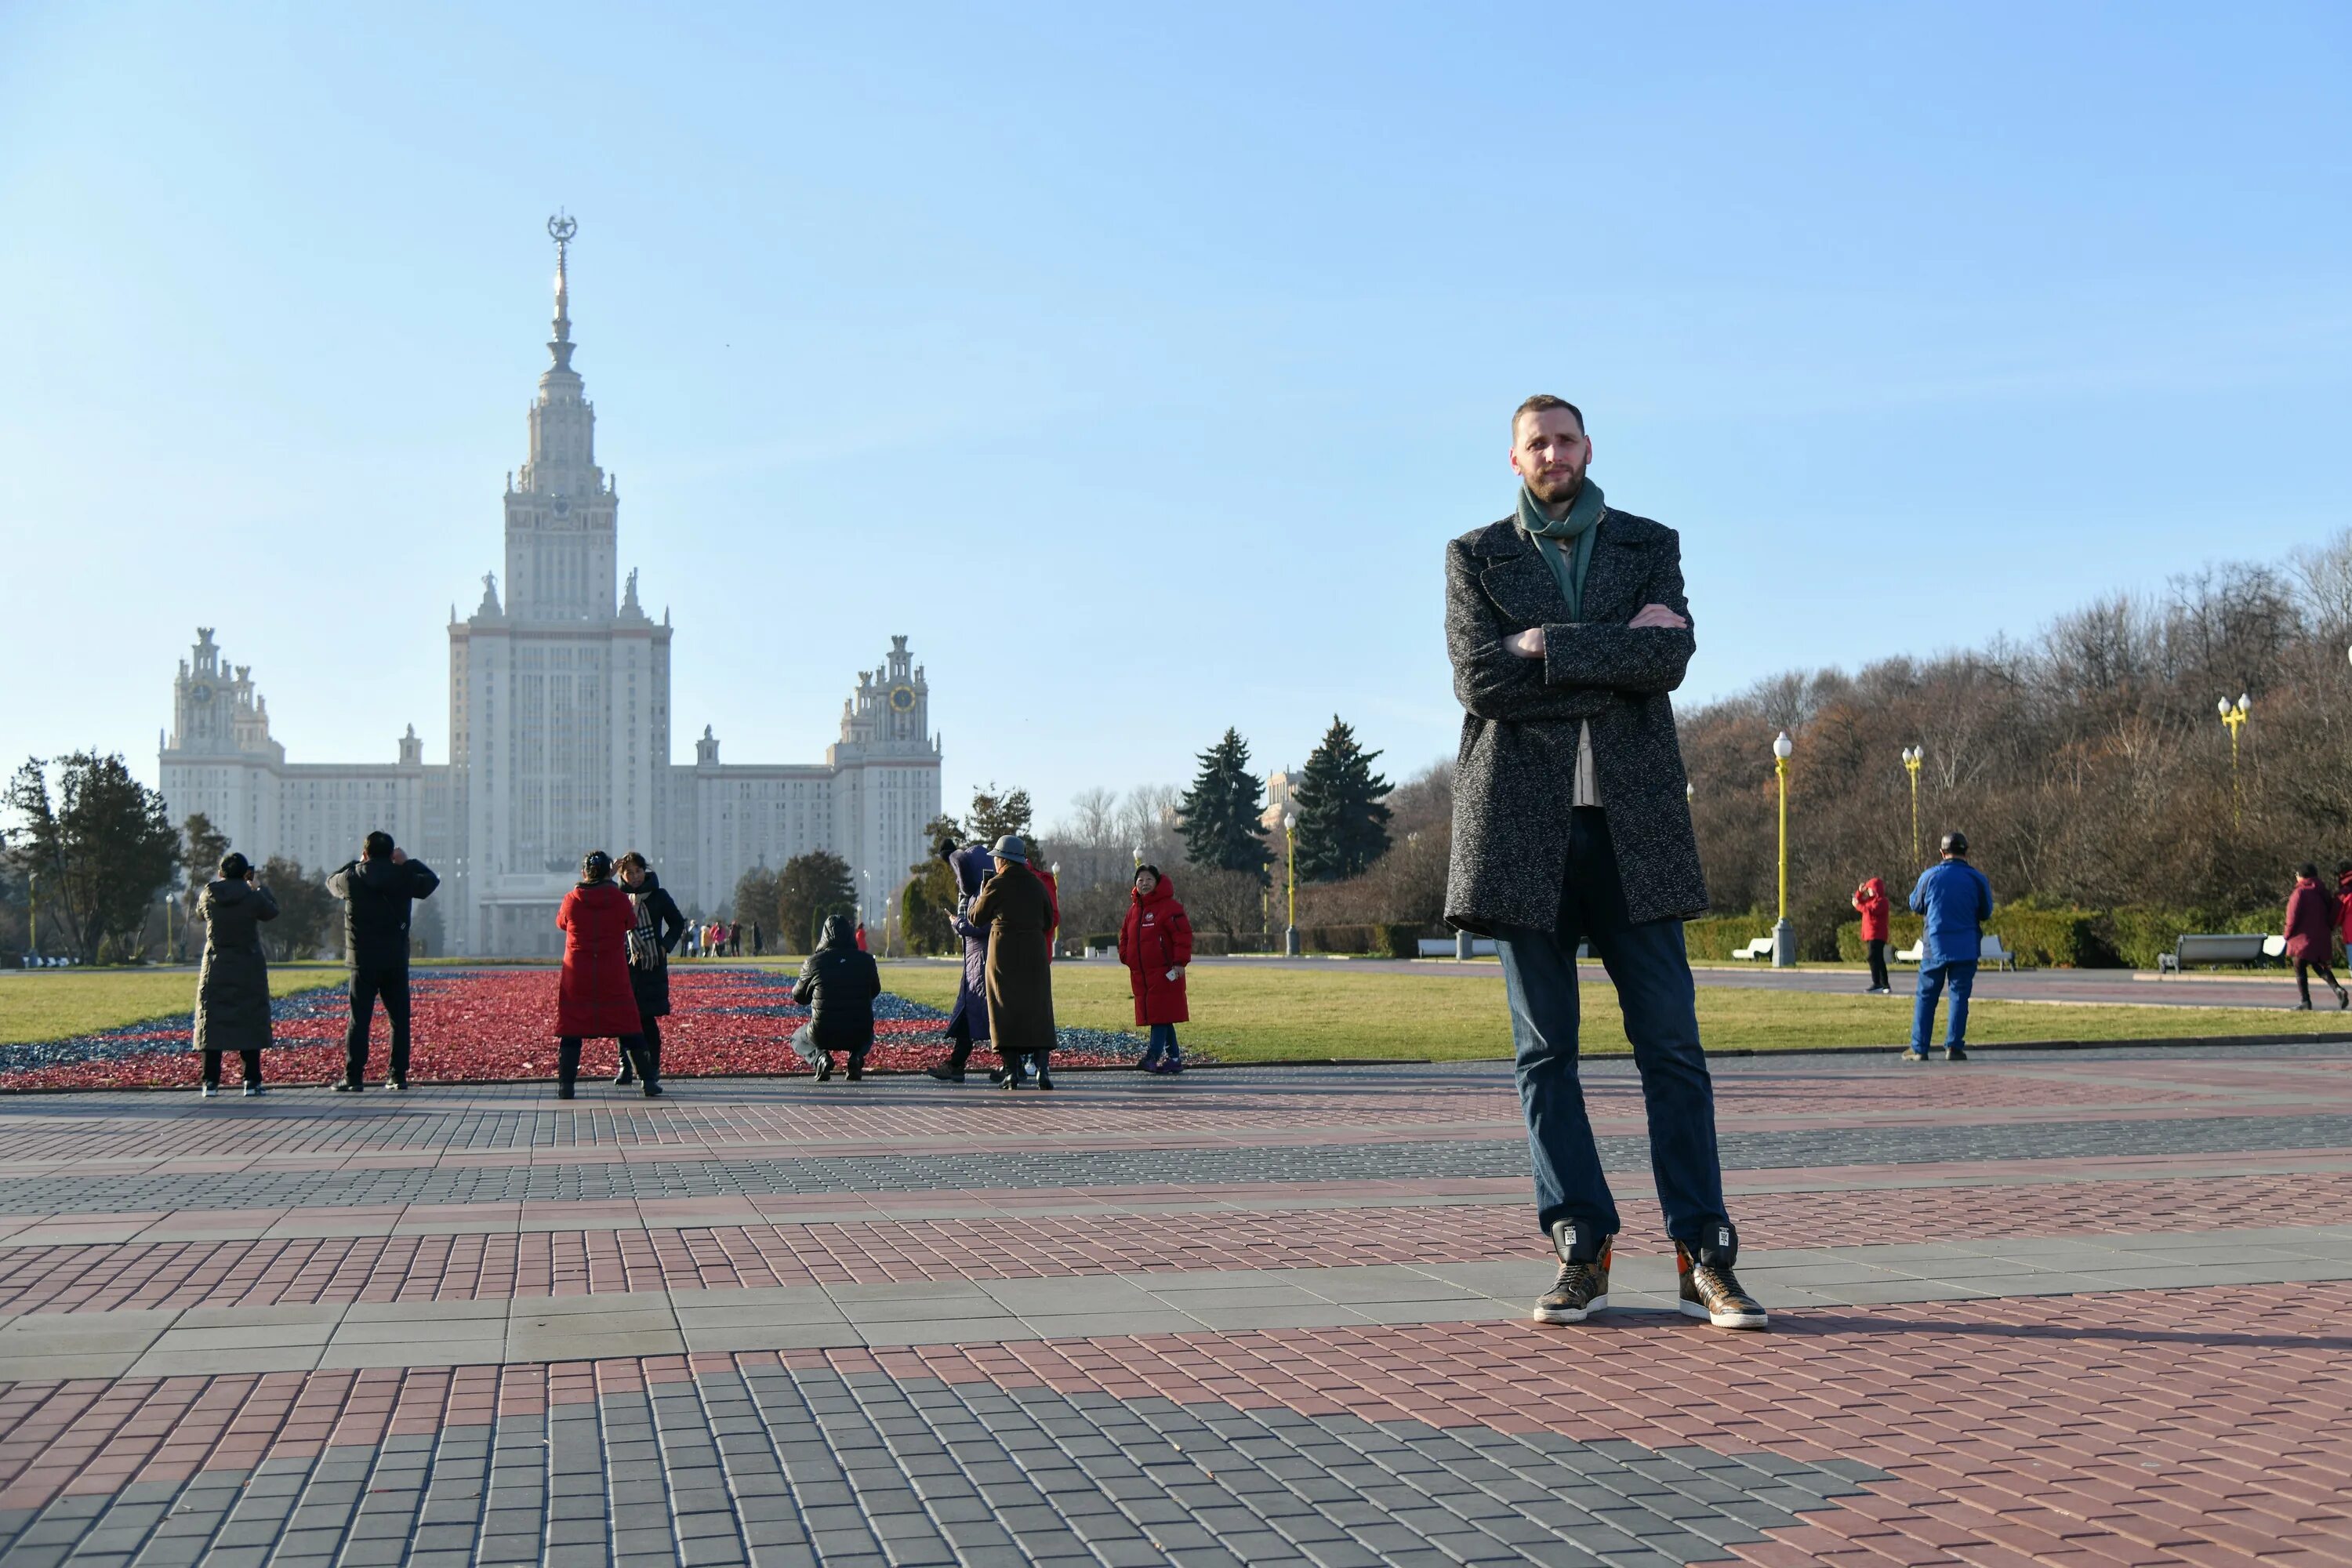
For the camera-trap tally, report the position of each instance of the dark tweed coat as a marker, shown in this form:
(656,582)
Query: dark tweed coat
(1512,796)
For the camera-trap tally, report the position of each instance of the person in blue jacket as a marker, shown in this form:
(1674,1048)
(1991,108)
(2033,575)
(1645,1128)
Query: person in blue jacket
(1957,900)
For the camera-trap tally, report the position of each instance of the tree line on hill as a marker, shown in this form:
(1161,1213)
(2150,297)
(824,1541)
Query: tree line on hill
(2089,766)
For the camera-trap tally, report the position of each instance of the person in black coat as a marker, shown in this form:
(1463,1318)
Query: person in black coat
(233,987)
(377,891)
(660,925)
(838,985)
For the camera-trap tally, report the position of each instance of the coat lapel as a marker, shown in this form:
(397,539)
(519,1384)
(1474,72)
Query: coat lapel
(1615,576)
(1521,585)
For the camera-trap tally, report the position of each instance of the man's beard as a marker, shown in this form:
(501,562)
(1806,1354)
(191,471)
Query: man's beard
(1556,493)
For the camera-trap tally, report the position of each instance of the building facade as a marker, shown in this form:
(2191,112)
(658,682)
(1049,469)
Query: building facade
(559,729)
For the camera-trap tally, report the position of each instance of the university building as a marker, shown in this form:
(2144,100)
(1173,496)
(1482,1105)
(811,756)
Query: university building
(559,727)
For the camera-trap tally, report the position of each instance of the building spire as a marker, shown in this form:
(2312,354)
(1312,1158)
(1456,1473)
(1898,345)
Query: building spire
(560,228)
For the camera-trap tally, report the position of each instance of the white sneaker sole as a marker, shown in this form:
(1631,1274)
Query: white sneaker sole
(1756,1320)
(1569,1315)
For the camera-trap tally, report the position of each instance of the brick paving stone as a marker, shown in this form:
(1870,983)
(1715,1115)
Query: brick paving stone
(2090,1429)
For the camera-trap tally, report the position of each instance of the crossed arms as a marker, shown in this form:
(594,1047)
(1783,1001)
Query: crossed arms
(1564,671)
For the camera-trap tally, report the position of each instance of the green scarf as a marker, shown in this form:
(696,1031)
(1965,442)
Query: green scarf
(1566,545)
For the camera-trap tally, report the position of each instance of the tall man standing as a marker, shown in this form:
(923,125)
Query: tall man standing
(1957,901)
(1567,626)
(377,890)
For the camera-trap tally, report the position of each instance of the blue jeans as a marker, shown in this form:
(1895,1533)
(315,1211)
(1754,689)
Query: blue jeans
(1163,1042)
(1647,966)
(1962,977)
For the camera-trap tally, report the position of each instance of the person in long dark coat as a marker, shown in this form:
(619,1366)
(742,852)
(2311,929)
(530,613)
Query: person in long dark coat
(1019,918)
(233,986)
(838,984)
(378,891)
(660,924)
(594,997)
(967,1019)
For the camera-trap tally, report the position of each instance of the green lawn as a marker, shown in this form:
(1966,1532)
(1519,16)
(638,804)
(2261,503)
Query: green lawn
(1247,1013)
(46,1005)
(1241,1013)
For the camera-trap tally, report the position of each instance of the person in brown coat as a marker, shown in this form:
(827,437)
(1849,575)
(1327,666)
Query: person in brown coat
(233,987)
(1018,916)
(2311,935)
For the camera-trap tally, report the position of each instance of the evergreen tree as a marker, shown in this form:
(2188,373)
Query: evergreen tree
(101,845)
(995,815)
(1342,823)
(1220,813)
(808,889)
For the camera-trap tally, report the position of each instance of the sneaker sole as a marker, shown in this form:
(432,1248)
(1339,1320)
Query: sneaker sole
(1570,1314)
(1726,1319)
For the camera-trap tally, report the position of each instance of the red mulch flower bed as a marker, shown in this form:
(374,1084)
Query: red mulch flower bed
(494,1025)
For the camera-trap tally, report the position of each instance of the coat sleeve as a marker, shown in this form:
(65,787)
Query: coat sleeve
(269,902)
(670,925)
(1627,658)
(422,879)
(871,972)
(1489,680)
(1180,938)
(805,986)
(1984,898)
(983,910)
(1919,895)
(563,910)
(340,884)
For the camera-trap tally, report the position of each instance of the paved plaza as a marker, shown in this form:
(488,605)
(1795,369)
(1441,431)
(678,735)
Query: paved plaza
(2085,1308)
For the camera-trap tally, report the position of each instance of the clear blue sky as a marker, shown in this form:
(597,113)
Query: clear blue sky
(1137,362)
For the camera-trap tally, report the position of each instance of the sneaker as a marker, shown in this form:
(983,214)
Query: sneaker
(651,1091)
(1955,1053)
(948,1074)
(1170,1067)
(824,1066)
(254,1091)
(346,1086)
(2343,998)
(563,1091)
(1712,1291)
(207,1090)
(624,1078)
(1907,1055)
(1582,1287)
(2300,1008)
(401,1084)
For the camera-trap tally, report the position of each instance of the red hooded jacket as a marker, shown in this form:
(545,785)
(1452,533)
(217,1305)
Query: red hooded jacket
(2311,916)
(594,999)
(1156,938)
(1876,922)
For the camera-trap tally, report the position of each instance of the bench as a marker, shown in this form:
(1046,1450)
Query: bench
(1760,948)
(2220,947)
(1989,950)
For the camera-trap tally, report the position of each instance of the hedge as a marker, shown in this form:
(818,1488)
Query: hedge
(1714,937)
(2129,936)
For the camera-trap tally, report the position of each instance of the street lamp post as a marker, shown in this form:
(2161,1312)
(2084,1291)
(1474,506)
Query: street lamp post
(1912,757)
(887,898)
(2233,714)
(1784,935)
(1290,849)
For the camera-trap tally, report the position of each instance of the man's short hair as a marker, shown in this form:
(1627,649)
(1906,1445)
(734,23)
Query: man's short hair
(378,846)
(1540,402)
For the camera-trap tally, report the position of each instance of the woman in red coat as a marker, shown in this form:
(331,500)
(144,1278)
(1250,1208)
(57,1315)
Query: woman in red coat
(594,999)
(1156,944)
(2311,935)
(1871,900)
